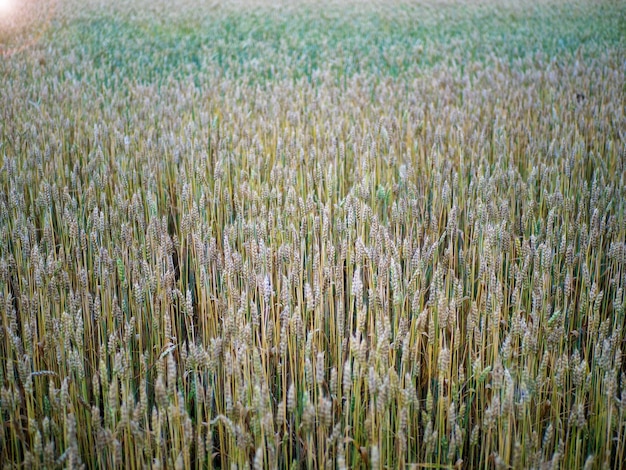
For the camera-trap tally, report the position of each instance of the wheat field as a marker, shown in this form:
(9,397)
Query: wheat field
(332,235)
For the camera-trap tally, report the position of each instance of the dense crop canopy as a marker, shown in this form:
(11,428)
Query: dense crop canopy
(349,236)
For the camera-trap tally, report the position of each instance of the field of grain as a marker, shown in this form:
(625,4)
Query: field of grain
(312,235)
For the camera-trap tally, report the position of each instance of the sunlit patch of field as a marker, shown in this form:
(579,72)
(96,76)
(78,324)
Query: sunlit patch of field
(338,235)
(23,23)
